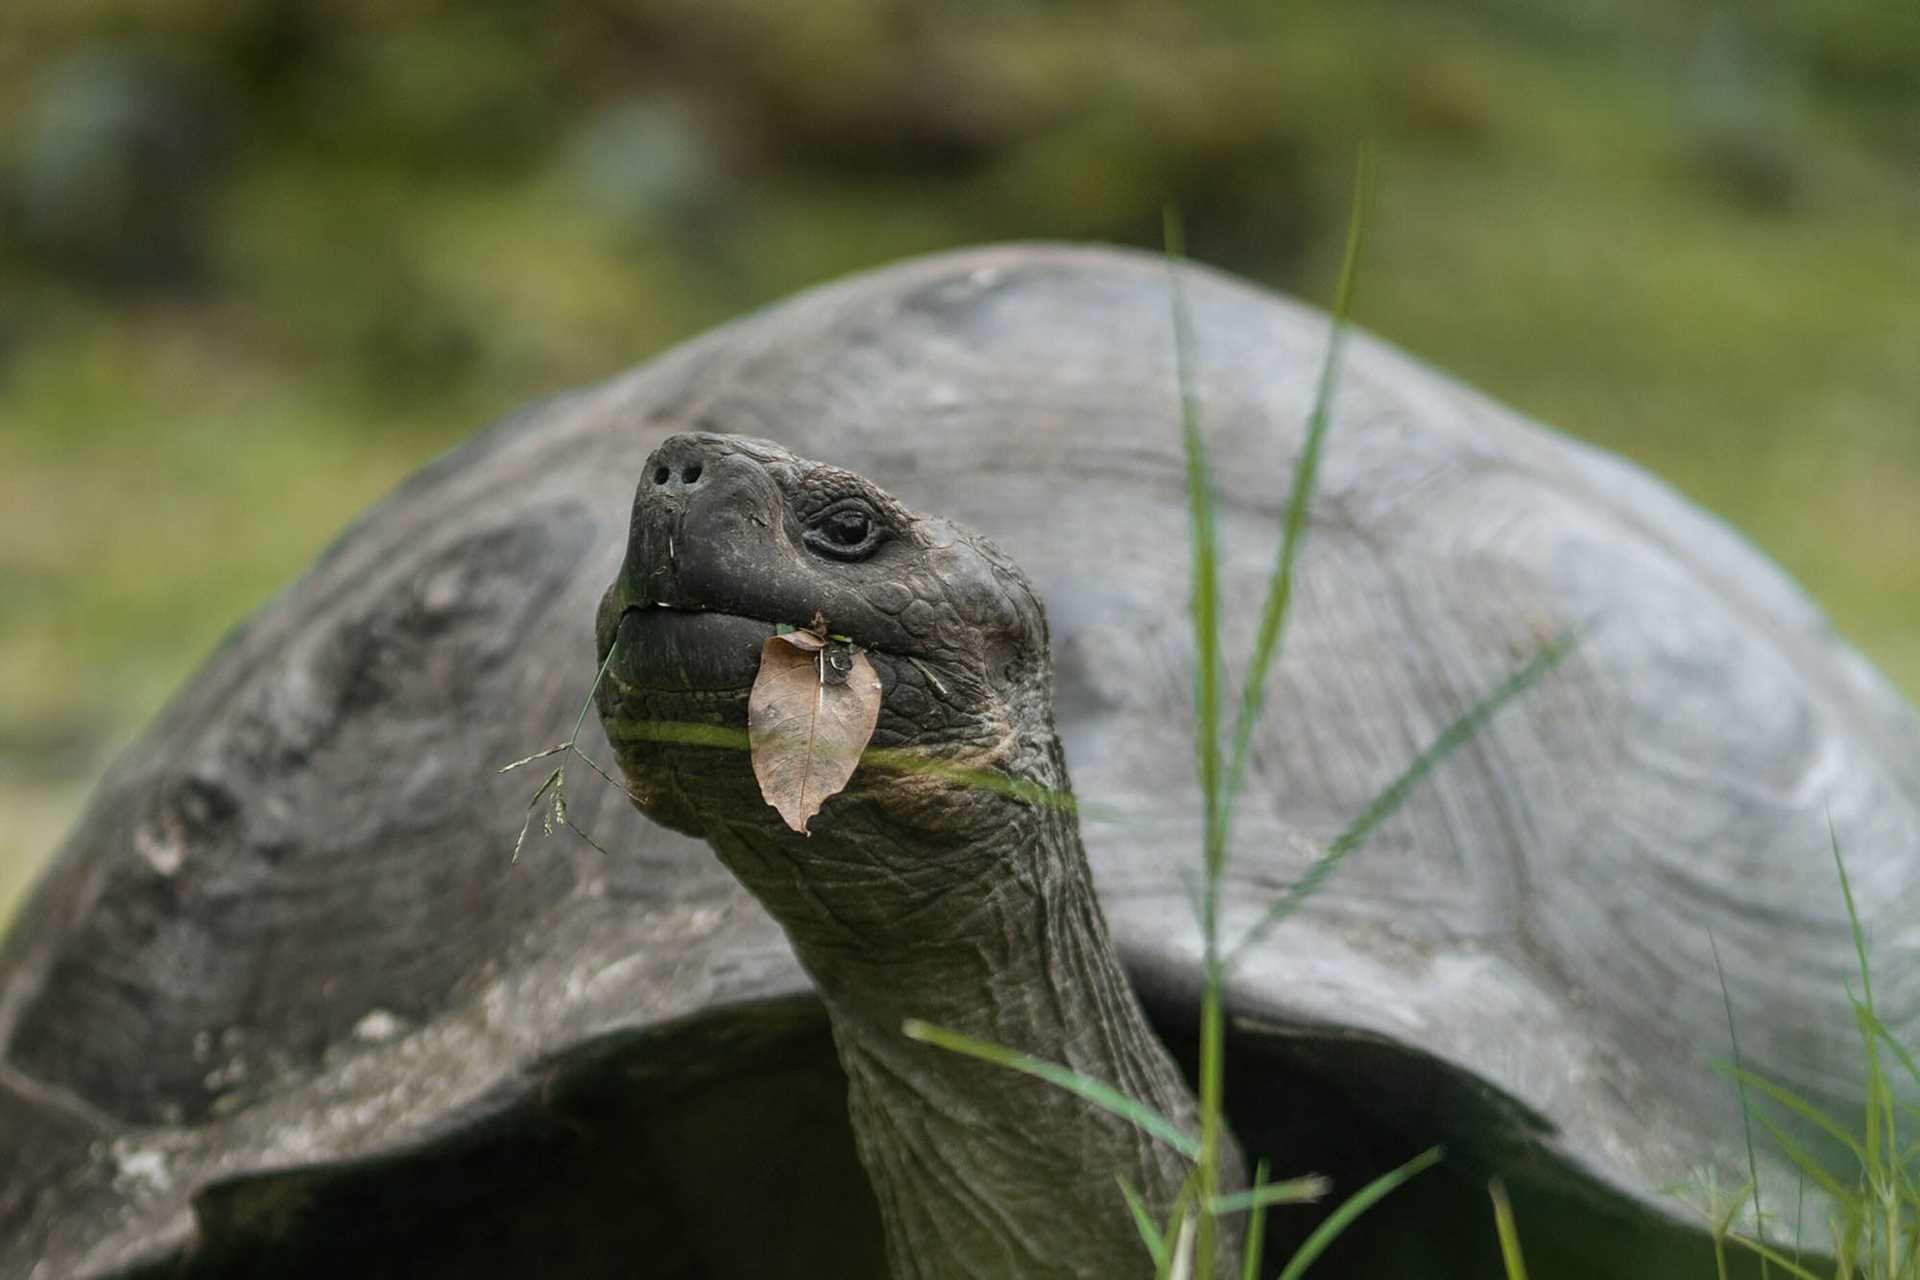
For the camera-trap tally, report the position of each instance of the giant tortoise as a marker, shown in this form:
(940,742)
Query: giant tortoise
(286,1003)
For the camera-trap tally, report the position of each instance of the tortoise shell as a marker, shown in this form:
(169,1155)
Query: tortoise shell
(285,1000)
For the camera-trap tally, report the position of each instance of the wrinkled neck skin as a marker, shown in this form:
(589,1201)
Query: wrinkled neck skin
(980,917)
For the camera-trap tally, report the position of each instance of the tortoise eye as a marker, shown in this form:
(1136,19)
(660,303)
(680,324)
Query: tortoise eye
(846,528)
(845,533)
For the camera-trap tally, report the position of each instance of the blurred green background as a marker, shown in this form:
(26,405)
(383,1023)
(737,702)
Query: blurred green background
(260,258)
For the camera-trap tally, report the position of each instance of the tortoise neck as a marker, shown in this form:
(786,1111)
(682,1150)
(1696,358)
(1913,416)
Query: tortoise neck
(978,1170)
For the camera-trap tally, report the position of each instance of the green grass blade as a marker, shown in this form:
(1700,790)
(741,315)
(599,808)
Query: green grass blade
(1396,792)
(1886,1036)
(1206,637)
(1204,599)
(1143,1223)
(1722,1226)
(1740,1090)
(686,733)
(1881,1113)
(895,759)
(1180,1256)
(1293,1191)
(1256,1227)
(1879,1093)
(592,689)
(1804,1161)
(1101,1095)
(1508,1230)
(1799,1212)
(1775,1257)
(1799,1106)
(573,739)
(1179,1232)
(1306,469)
(1361,1201)
(1853,916)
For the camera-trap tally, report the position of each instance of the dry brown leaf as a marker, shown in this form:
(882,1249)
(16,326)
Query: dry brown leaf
(810,715)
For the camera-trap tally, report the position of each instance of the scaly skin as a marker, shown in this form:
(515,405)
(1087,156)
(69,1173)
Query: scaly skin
(917,894)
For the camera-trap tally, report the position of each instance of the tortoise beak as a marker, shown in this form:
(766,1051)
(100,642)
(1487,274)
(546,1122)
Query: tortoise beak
(665,650)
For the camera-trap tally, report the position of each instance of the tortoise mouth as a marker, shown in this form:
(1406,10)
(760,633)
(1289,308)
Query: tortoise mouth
(660,649)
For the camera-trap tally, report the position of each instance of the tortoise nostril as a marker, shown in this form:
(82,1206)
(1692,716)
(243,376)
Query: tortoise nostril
(691,474)
(660,475)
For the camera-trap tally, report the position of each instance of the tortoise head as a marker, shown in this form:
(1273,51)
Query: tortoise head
(734,537)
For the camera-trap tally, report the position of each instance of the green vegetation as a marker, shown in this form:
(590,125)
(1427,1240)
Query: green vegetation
(1875,1228)
(1874,1232)
(1189,1242)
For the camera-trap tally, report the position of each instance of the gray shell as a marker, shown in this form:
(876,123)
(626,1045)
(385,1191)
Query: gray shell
(285,976)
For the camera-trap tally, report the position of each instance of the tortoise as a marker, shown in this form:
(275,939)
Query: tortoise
(286,1003)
